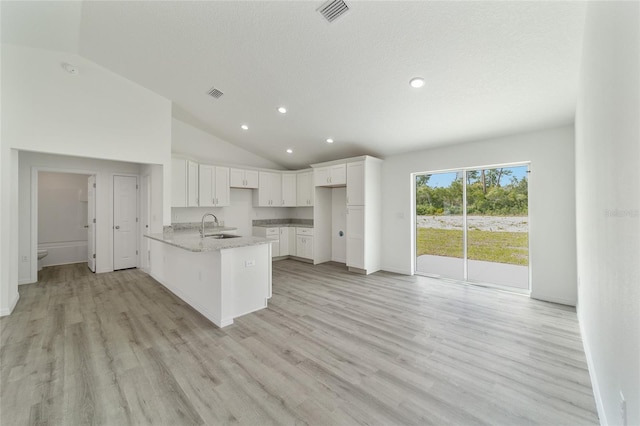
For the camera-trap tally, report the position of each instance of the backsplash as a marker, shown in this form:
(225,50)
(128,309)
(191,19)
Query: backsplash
(262,222)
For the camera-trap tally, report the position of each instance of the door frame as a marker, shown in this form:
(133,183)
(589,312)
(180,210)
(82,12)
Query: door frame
(138,202)
(33,264)
(414,220)
(145,220)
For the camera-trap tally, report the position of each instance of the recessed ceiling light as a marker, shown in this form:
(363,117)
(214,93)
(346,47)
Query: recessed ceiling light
(244,127)
(282,110)
(329,140)
(416,82)
(289,151)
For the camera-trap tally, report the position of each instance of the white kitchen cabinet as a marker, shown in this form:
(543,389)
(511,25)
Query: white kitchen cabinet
(272,234)
(304,244)
(364,213)
(184,183)
(355,237)
(355,184)
(192,184)
(335,175)
(289,190)
(287,241)
(304,189)
(214,186)
(178,182)
(240,178)
(269,193)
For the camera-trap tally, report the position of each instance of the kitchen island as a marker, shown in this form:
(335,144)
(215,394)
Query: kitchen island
(220,278)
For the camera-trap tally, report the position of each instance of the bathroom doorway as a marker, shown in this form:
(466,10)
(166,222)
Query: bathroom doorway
(62,218)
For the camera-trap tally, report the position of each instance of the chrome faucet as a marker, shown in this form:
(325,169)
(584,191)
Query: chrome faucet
(203,217)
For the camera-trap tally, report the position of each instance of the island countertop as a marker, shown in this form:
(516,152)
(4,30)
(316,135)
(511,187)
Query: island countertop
(191,241)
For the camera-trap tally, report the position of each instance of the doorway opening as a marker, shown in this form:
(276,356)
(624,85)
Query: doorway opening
(472,224)
(64,204)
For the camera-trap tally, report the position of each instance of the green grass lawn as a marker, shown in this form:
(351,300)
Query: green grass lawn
(501,247)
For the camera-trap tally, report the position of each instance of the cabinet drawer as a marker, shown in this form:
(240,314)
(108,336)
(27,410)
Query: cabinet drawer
(304,231)
(272,232)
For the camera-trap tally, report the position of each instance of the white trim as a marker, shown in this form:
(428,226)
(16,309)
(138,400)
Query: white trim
(396,271)
(12,306)
(26,281)
(551,299)
(33,272)
(592,374)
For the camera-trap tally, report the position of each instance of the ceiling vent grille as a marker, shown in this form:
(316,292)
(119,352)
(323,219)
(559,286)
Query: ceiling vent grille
(333,9)
(215,93)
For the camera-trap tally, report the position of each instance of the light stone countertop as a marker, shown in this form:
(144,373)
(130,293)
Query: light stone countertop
(191,241)
(283,225)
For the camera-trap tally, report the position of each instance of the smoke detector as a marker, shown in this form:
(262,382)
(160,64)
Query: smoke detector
(71,69)
(333,9)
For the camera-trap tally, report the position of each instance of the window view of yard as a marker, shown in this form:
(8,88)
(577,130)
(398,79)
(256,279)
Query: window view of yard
(497,215)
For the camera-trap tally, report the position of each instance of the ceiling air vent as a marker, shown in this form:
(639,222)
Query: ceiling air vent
(333,9)
(215,93)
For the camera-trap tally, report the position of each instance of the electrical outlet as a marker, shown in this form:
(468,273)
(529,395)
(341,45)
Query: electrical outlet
(249,263)
(623,410)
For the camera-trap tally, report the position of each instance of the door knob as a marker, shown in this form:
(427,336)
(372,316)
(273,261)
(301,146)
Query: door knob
(117,227)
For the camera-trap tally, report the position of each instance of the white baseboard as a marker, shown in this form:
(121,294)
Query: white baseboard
(592,374)
(552,299)
(5,312)
(396,271)
(26,281)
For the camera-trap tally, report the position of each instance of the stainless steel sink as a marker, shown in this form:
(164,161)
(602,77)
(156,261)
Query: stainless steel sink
(222,236)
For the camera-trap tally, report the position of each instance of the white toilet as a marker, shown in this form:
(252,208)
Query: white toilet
(42,253)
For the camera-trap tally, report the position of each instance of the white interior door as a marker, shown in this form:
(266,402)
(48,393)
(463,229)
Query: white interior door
(91,223)
(125,216)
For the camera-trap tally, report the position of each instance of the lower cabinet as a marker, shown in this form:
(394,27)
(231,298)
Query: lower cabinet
(304,243)
(287,241)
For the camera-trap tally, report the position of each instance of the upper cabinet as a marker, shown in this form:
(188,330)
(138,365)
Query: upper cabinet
(355,184)
(289,190)
(269,193)
(335,175)
(240,178)
(304,189)
(192,184)
(184,183)
(214,186)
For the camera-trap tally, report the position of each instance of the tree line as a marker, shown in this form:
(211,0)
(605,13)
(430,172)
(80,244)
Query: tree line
(486,194)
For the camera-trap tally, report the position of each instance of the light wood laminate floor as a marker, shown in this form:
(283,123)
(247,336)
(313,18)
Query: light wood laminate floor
(333,348)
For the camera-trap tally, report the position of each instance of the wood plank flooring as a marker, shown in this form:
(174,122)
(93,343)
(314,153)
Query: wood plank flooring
(333,348)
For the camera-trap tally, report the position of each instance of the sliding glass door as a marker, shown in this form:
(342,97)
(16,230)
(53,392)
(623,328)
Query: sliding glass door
(439,231)
(472,224)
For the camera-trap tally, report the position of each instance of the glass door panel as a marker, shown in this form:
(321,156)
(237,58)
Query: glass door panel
(440,225)
(498,226)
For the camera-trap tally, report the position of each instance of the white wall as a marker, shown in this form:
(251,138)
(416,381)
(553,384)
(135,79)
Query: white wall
(104,171)
(608,206)
(552,253)
(96,114)
(62,217)
(192,142)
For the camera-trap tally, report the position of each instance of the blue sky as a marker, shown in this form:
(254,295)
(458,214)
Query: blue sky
(445,179)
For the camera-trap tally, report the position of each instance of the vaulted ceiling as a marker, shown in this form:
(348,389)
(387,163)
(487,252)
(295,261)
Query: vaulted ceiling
(490,68)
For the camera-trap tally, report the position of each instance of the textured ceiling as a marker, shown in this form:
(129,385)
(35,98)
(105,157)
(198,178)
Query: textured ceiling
(491,68)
